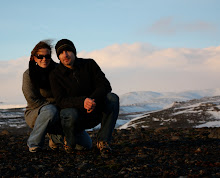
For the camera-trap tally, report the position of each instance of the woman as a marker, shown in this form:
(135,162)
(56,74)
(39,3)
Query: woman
(41,114)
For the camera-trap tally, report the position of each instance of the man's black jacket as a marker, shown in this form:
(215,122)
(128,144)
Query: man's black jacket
(71,87)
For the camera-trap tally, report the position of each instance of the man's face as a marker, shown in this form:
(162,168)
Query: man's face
(67,58)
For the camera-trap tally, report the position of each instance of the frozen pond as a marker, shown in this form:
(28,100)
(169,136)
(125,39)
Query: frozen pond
(12,118)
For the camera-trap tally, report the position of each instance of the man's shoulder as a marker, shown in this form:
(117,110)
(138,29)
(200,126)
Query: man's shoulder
(85,61)
(58,69)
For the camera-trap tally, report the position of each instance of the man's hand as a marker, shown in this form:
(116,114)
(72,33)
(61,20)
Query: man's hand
(89,104)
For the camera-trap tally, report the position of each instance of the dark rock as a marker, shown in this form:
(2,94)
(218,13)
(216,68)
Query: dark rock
(4,132)
(215,133)
(164,152)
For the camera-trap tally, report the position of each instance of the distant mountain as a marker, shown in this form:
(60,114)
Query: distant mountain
(151,101)
(203,112)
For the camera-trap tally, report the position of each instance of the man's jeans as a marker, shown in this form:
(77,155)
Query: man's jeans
(46,122)
(83,140)
(71,121)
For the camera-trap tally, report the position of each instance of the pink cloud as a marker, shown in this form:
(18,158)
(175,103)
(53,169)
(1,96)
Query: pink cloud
(171,26)
(134,67)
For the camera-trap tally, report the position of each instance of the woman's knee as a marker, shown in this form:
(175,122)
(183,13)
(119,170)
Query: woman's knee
(50,112)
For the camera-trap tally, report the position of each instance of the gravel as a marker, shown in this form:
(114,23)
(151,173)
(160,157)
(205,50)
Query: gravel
(160,152)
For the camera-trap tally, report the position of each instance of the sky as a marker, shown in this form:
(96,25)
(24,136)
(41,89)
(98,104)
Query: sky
(140,45)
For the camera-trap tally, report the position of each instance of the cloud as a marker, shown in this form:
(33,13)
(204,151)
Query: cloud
(200,26)
(140,55)
(164,26)
(11,78)
(169,26)
(134,67)
(11,73)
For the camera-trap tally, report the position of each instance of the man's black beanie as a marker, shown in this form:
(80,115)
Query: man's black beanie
(65,44)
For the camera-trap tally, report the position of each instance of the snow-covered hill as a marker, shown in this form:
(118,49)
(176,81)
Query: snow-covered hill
(150,101)
(132,105)
(204,112)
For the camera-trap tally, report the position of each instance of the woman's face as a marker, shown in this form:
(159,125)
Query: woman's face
(43,57)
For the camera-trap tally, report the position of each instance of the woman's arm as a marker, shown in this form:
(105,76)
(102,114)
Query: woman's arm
(32,94)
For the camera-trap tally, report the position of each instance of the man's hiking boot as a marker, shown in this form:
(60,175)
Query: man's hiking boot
(104,149)
(67,148)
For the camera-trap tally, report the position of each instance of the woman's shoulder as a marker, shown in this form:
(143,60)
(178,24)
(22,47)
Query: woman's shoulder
(26,72)
(26,75)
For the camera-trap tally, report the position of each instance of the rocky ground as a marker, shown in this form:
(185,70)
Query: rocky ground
(143,152)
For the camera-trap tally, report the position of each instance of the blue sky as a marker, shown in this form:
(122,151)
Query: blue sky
(141,45)
(96,24)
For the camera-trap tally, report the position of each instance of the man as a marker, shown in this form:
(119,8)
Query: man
(84,96)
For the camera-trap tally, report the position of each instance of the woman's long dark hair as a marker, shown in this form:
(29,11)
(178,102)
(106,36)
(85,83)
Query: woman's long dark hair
(40,76)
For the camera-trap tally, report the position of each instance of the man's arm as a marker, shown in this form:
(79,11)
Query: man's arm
(102,85)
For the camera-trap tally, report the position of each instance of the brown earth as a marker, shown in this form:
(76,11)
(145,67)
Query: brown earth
(161,152)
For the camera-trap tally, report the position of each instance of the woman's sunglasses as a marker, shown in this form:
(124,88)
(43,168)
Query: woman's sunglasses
(48,56)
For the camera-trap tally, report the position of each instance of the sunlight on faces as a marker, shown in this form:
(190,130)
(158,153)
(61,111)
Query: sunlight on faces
(67,58)
(43,63)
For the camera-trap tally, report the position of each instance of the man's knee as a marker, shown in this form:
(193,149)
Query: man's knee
(69,115)
(112,103)
(112,97)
